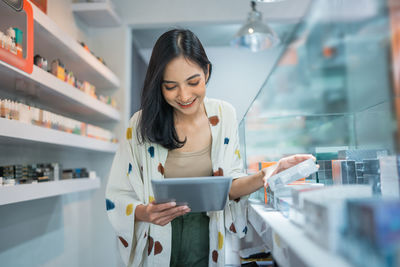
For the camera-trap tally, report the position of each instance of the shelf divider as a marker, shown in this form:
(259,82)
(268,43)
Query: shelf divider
(25,192)
(12,131)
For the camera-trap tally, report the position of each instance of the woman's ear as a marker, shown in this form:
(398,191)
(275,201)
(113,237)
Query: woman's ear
(208,72)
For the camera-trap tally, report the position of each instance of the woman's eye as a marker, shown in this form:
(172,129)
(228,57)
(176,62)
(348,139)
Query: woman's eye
(194,84)
(170,88)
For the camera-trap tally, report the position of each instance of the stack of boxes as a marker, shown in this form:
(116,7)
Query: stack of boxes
(371,174)
(371,236)
(390,184)
(324,174)
(356,167)
(344,171)
(29,173)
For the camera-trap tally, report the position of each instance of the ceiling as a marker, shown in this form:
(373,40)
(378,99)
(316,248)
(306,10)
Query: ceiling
(216,35)
(214,22)
(155,13)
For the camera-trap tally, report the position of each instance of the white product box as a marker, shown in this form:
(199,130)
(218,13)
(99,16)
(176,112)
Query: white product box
(324,212)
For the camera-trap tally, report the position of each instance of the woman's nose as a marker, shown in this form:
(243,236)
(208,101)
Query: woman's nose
(184,94)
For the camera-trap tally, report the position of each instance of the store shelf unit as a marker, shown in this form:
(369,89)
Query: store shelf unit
(24,192)
(99,14)
(45,88)
(15,132)
(290,246)
(53,43)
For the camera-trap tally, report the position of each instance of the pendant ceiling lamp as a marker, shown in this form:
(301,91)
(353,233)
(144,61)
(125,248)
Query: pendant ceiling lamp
(254,34)
(270,1)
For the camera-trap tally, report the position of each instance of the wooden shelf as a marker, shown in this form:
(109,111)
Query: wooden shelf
(15,132)
(61,97)
(96,14)
(25,192)
(292,247)
(53,43)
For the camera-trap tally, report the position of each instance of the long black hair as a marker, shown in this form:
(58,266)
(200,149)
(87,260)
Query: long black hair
(156,123)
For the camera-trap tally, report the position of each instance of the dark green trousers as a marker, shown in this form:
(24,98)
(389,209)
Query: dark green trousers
(190,240)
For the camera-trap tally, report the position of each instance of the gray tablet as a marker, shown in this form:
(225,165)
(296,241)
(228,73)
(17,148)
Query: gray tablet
(199,193)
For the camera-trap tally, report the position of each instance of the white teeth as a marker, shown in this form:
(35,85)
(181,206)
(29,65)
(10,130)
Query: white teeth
(186,104)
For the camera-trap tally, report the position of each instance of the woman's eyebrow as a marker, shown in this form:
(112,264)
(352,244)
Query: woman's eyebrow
(193,76)
(165,81)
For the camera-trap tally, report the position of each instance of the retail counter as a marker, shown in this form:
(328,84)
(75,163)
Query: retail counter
(289,244)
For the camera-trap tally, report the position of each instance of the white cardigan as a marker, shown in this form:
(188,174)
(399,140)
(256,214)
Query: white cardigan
(134,165)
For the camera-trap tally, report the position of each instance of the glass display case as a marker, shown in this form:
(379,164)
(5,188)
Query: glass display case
(333,88)
(335,93)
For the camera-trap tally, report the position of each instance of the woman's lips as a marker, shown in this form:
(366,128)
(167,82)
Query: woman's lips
(187,106)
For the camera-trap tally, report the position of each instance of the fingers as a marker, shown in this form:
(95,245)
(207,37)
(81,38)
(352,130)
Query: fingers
(165,216)
(173,211)
(161,207)
(302,157)
(295,159)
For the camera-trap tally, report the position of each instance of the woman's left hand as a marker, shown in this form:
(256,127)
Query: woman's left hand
(283,164)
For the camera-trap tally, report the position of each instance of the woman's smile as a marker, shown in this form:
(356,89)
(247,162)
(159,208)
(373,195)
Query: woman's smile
(187,104)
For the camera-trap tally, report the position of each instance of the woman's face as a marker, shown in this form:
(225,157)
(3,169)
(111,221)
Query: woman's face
(184,86)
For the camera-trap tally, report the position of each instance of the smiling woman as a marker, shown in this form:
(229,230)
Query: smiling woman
(179,133)
(180,67)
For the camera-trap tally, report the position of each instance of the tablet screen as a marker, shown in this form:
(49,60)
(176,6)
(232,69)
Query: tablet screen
(199,193)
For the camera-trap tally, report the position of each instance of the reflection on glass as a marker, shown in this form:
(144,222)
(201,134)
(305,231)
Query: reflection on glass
(332,88)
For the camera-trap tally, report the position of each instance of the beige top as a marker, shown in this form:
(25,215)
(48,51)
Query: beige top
(188,164)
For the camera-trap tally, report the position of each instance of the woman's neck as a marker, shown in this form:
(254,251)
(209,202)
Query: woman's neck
(181,118)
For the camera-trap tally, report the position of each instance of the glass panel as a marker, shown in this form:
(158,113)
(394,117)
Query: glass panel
(332,88)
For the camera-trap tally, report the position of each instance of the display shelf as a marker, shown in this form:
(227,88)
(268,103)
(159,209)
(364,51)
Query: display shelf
(48,90)
(25,192)
(97,14)
(15,132)
(53,43)
(291,245)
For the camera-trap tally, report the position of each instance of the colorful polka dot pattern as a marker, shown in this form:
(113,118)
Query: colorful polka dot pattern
(226,141)
(157,248)
(237,152)
(129,133)
(245,230)
(232,228)
(123,241)
(219,172)
(129,209)
(151,199)
(220,241)
(129,168)
(109,204)
(161,169)
(214,120)
(215,256)
(151,151)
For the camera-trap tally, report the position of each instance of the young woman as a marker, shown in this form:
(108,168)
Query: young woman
(179,133)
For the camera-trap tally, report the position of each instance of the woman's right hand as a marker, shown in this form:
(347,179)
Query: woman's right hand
(160,214)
